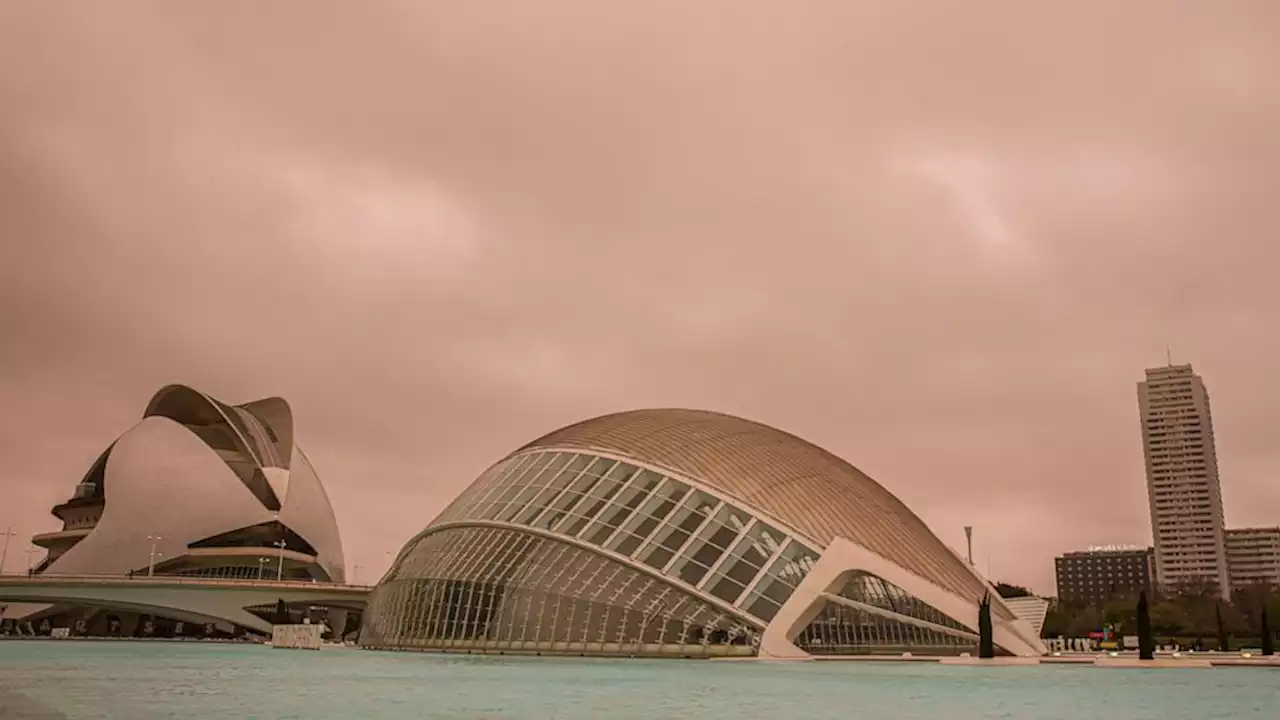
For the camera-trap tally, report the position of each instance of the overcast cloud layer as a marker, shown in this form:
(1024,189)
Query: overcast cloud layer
(940,239)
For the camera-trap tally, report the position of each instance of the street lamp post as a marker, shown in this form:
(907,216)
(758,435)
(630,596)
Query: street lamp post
(262,563)
(151,561)
(355,573)
(8,533)
(280,568)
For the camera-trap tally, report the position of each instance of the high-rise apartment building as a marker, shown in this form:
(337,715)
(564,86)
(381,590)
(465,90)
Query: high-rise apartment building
(1182,479)
(1253,556)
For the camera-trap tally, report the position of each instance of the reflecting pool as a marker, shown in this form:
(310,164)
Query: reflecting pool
(80,680)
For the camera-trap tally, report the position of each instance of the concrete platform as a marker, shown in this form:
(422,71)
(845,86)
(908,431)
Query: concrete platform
(990,662)
(1132,662)
(1241,661)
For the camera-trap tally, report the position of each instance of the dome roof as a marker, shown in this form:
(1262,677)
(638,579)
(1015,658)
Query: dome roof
(791,480)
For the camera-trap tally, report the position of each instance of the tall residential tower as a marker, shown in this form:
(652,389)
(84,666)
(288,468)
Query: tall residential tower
(1182,479)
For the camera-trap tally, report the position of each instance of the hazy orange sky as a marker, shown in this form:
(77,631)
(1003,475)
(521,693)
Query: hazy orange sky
(940,239)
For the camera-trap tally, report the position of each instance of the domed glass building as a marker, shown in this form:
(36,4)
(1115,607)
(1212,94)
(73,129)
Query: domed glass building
(681,533)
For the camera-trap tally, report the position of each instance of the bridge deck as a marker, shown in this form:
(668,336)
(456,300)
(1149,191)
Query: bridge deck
(174,580)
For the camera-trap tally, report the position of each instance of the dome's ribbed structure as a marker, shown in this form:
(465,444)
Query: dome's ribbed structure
(792,480)
(681,533)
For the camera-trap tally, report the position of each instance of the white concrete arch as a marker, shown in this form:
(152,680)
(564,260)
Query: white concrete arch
(843,557)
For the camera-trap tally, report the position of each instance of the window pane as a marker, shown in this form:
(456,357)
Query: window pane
(623,507)
(679,526)
(506,490)
(523,490)
(750,553)
(655,508)
(690,571)
(763,608)
(553,486)
(726,589)
(786,572)
(596,499)
(657,557)
(625,544)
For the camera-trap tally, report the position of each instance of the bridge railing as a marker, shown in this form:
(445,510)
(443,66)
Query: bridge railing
(181,580)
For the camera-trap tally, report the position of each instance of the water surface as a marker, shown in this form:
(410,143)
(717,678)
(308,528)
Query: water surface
(81,680)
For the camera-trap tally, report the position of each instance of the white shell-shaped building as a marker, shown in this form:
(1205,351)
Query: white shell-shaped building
(682,533)
(199,487)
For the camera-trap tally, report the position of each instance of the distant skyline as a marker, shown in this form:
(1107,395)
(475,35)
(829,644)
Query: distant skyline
(941,242)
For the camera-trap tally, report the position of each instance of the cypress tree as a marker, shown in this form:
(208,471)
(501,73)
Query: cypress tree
(986,642)
(1268,642)
(1223,640)
(1146,639)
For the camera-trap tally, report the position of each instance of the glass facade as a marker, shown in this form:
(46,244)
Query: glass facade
(619,559)
(493,589)
(871,616)
(817,494)
(697,539)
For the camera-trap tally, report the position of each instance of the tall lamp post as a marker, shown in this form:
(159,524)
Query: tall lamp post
(280,568)
(151,561)
(262,563)
(8,533)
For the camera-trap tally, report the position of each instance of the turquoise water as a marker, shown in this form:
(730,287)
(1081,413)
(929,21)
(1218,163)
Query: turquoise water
(141,681)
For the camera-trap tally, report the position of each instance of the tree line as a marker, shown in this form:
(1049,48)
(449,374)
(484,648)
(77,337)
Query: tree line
(1191,615)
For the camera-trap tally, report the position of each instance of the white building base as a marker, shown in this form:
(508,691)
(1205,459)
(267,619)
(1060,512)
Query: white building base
(300,637)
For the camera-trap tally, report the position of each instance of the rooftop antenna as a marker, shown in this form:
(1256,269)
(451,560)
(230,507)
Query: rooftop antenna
(1168,355)
(968,538)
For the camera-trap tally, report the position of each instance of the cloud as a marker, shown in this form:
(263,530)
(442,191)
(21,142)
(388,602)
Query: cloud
(942,242)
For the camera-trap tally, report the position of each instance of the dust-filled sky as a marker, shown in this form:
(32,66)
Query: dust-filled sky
(941,239)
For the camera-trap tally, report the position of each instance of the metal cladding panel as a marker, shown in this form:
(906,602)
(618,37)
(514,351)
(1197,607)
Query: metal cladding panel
(160,480)
(307,511)
(275,413)
(796,482)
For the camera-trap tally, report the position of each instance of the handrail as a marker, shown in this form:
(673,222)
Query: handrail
(181,580)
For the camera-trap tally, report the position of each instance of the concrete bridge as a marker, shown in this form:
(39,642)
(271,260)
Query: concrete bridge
(189,599)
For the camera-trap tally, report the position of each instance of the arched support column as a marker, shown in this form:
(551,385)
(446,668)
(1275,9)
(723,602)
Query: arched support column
(838,561)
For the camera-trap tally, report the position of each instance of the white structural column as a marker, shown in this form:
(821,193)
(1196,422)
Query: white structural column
(838,561)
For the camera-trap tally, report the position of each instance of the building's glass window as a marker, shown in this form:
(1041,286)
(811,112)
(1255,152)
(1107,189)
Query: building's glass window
(657,506)
(677,529)
(681,532)
(745,562)
(506,489)
(711,542)
(498,590)
(592,469)
(780,580)
(621,507)
(532,483)
(565,471)
(584,512)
